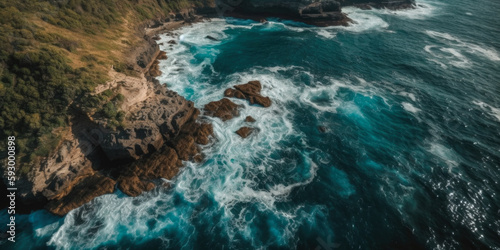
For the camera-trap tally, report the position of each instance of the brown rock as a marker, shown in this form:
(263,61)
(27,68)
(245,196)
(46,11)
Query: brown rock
(199,131)
(249,91)
(244,132)
(258,99)
(225,109)
(154,70)
(250,119)
(250,88)
(165,163)
(234,93)
(162,55)
(185,147)
(156,38)
(83,192)
(136,177)
(133,186)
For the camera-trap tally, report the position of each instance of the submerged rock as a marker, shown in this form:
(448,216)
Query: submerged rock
(322,129)
(212,38)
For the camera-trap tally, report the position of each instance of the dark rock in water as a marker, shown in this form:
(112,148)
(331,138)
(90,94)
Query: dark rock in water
(172,42)
(249,91)
(250,119)
(212,38)
(364,6)
(234,93)
(369,4)
(225,109)
(156,38)
(322,129)
(244,132)
(321,13)
(138,176)
(263,20)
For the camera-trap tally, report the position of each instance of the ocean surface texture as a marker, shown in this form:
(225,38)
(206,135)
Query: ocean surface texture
(410,101)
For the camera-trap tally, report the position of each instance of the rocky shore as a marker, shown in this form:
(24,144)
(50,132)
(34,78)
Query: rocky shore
(319,13)
(161,129)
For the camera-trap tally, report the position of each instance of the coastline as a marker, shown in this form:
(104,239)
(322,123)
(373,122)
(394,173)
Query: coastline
(134,157)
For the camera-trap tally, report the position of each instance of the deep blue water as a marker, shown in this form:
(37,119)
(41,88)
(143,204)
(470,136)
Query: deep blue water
(410,158)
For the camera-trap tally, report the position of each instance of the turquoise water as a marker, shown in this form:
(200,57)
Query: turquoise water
(410,158)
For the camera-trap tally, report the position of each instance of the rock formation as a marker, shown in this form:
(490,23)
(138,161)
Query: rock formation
(319,13)
(160,130)
(244,132)
(225,109)
(249,119)
(249,91)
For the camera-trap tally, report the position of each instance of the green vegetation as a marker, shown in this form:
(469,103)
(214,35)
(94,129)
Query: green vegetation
(53,54)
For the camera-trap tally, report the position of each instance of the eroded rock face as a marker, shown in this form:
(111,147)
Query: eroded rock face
(140,176)
(150,123)
(225,109)
(84,191)
(249,91)
(159,132)
(154,70)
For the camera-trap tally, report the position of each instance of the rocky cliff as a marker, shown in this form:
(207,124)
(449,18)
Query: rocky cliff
(160,130)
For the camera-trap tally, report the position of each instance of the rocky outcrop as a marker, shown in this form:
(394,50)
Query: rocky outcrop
(368,4)
(225,109)
(145,174)
(320,13)
(83,191)
(314,12)
(244,132)
(160,130)
(157,118)
(154,70)
(249,91)
(249,119)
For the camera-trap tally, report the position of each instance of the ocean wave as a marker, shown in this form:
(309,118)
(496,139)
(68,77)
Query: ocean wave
(454,49)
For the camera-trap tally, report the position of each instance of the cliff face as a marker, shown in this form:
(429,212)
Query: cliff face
(160,130)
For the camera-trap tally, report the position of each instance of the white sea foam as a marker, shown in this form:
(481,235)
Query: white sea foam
(495,112)
(326,33)
(448,155)
(409,95)
(229,180)
(410,108)
(423,10)
(453,50)
(364,20)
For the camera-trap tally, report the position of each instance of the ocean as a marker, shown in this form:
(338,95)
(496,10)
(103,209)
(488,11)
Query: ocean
(409,102)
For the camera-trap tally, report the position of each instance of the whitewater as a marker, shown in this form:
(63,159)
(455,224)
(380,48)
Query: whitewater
(410,103)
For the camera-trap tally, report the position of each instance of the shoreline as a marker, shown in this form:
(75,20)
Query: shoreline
(137,162)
